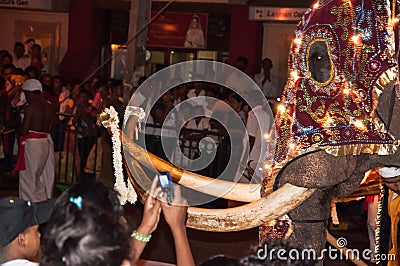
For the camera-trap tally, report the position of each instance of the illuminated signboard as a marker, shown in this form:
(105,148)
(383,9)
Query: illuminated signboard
(26,4)
(275,13)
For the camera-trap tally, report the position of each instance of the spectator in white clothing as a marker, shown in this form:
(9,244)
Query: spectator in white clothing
(259,123)
(266,81)
(20,60)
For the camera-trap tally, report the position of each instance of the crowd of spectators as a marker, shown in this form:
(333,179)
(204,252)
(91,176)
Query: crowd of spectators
(75,131)
(78,103)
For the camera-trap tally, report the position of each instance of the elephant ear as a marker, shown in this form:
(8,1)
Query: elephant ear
(388,109)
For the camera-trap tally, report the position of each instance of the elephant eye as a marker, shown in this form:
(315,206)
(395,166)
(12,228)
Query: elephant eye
(316,58)
(319,63)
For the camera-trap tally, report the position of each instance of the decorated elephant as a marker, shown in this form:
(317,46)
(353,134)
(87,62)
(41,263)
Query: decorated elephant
(339,119)
(339,114)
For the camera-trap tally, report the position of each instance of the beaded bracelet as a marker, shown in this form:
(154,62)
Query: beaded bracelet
(140,237)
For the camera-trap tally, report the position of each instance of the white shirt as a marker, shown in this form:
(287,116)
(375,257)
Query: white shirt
(22,62)
(269,88)
(64,101)
(20,262)
(259,122)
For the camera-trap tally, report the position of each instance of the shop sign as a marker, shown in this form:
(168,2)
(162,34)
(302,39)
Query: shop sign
(264,13)
(26,4)
(178,30)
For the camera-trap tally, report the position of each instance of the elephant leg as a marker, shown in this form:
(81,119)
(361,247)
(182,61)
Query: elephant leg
(310,221)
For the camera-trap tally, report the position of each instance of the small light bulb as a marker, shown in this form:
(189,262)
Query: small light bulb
(281,108)
(355,38)
(395,20)
(266,136)
(292,146)
(346,91)
(329,120)
(294,75)
(359,124)
(316,5)
(297,41)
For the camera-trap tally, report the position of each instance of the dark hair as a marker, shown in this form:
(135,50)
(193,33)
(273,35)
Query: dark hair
(219,260)
(267,60)
(84,237)
(242,59)
(116,83)
(8,66)
(19,71)
(55,77)
(4,52)
(236,97)
(7,55)
(96,193)
(29,69)
(86,233)
(20,44)
(37,46)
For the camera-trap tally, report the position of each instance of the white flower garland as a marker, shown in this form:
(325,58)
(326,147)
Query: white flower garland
(126,191)
(136,111)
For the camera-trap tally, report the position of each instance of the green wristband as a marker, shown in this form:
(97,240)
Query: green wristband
(140,237)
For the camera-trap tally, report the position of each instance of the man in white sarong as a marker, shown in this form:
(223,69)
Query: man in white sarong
(36,154)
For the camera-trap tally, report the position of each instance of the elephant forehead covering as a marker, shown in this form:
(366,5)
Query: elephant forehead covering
(330,104)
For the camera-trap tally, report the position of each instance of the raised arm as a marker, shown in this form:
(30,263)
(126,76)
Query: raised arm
(151,216)
(175,215)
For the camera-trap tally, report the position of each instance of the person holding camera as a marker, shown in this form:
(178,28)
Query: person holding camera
(88,227)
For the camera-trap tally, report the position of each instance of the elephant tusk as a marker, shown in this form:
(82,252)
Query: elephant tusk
(211,186)
(249,215)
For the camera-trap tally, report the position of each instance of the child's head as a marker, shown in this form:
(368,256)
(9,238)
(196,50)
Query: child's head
(19,220)
(86,228)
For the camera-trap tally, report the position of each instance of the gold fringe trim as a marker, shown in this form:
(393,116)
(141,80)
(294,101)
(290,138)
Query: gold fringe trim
(378,225)
(384,79)
(357,149)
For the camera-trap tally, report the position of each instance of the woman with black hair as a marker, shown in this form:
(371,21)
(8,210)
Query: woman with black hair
(79,231)
(88,227)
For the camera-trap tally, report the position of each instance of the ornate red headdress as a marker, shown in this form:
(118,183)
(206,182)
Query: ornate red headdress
(335,111)
(341,59)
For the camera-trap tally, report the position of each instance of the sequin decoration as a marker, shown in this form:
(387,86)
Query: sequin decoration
(337,112)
